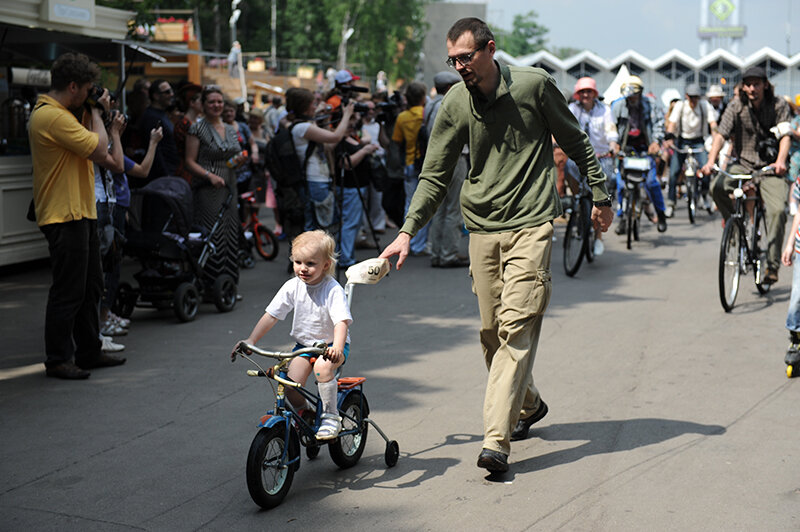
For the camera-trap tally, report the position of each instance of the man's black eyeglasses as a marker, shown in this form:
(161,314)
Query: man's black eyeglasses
(167,91)
(464,59)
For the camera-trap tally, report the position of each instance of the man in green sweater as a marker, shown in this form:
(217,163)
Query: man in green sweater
(507,116)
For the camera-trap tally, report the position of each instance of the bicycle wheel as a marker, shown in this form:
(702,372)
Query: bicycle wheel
(268,476)
(588,236)
(573,242)
(691,197)
(759,251)
(266,242)
(346,450)
(630,215)
(730,264)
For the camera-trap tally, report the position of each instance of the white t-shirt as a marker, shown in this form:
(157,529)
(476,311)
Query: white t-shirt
(317,309)
(689,119)
(317,169)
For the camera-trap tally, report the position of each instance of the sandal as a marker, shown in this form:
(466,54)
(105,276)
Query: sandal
(330,427)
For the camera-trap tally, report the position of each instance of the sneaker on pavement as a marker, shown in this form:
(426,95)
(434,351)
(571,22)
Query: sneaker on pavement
(669,211)
(598,248)
(110,347)
(67,371)
(109,328)
(122,322)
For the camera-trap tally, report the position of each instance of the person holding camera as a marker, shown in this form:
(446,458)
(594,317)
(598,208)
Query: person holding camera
(751,120)
(63,150)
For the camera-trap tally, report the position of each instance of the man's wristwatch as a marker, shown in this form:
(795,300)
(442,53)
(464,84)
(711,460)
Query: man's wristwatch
(603,203)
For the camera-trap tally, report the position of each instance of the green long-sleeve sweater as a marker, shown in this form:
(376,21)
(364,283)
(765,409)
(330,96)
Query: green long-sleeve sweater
(511,182)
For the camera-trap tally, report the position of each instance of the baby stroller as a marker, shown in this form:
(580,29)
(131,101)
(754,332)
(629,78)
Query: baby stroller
(172,254)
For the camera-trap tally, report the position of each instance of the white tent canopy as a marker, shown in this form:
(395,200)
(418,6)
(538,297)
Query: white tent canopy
(614,90)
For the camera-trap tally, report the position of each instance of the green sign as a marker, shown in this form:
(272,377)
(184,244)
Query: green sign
(722,9)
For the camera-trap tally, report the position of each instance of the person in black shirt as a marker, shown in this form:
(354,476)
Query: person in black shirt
(156,115)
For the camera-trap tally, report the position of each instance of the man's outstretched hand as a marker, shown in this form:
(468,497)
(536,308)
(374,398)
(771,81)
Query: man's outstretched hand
(400,247)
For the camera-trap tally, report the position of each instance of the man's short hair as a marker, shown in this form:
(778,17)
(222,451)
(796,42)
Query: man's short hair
(276,101)
(71,67)
(415,93)
(479,29)
(155,88)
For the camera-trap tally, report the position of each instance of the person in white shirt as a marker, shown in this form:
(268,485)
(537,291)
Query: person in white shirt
(596,120)
(691,121)
(321,313)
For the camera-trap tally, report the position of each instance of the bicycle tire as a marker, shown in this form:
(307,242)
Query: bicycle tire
(691,197)
(630,215)
(573,242)
(266,242)
(760,252)
(268,477)
(730,264)
(346,450)
(588,237)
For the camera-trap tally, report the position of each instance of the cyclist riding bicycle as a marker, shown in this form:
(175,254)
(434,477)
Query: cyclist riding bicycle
(640,121)
(595,119)
(691,121)
(752,120)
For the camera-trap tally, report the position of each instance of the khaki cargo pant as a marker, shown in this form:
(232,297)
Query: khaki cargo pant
(511,277)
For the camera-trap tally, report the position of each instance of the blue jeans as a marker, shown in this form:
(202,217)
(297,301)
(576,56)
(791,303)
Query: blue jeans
(317,192)
(351,223)
(793,316)
(651,186)
(419,240)
(676,163)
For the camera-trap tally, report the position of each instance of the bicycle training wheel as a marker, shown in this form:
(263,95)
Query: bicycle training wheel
(691,197)
(346,450)
(759,241)
(266,242)
(268,476)
(730,264)
(573,242)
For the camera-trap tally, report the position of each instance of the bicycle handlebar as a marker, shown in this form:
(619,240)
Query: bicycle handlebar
(243,348)
(755,174)
(689,150)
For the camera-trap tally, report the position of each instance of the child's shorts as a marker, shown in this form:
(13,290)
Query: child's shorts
(346,351)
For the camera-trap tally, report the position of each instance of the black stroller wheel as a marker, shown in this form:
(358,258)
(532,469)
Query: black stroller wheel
(225,293)
(186,302)
(125,301)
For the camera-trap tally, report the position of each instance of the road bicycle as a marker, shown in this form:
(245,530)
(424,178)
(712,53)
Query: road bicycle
(692,180)
(274,454)
(634,168)
(254,233)
(580,235)
(744,240)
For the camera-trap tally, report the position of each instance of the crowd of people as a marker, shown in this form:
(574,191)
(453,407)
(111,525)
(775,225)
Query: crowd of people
(476,157)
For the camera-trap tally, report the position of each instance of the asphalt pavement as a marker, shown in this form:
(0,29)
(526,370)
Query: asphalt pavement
(666,413)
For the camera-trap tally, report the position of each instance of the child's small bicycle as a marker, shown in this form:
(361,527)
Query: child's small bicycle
(274,455)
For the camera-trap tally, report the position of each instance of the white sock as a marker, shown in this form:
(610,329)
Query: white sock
(328,392)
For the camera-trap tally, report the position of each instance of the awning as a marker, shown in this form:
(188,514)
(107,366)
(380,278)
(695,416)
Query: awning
(169,50)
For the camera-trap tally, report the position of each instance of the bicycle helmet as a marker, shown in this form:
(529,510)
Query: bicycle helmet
(631,86)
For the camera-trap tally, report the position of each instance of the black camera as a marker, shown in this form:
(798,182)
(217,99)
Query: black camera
(768,149)
(93,99)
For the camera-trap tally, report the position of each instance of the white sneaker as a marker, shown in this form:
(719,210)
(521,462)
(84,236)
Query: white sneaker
(599,247)
(122,322)
(669,211)
(111,347)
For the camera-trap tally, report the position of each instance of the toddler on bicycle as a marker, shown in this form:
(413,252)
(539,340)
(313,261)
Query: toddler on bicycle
(321,313)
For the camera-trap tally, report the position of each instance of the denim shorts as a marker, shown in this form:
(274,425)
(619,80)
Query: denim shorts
(346,351)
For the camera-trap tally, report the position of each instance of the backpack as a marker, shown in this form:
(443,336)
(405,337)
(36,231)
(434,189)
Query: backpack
(282,161)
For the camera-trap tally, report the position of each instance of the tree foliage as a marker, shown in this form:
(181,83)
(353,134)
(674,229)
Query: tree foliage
(387,34)
(526,36)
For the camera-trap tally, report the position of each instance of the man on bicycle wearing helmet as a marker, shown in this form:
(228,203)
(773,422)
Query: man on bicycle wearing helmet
(640,121)
(752,119)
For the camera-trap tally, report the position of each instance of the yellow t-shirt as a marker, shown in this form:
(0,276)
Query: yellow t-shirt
(406,129)
(63,175)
